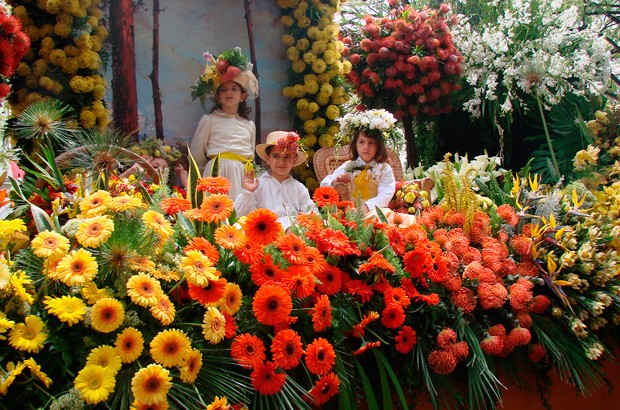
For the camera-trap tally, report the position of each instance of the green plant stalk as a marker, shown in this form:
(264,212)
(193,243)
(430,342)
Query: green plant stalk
(549,143)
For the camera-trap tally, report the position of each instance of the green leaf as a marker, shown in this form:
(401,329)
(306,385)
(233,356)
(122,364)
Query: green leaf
(194,196)
(381,359)
(369,394)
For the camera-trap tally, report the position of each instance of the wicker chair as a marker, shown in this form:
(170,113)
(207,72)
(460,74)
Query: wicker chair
(326,160)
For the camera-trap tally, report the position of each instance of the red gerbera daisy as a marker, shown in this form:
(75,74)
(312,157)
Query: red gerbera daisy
(293,248)
(248,350)
(171,206)
(322,314)
(231,325)
(330,280)
(393,316)
(204,246)
(365,347)
(335,243)
(397,295)
(416,262)
(320,356)
(214,185)
(265,379)
(358,288)
(261,226)
(265,271)
(207,294)
(299,280)
(358,330)
(325,388)
(272,304)
(405,339)
(325,196)
(286,349)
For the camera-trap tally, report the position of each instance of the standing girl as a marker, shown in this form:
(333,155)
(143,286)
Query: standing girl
(369,175)
(226,136)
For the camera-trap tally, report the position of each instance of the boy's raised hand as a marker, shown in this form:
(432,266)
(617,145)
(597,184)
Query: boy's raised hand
(250,182)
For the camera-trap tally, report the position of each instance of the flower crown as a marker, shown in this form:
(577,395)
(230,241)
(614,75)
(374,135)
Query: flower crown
(226,67)
(381,120)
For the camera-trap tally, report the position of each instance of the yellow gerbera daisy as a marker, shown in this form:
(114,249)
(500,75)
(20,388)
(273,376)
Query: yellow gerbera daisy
(198,268)
(10,226)
(218,403)
(143,290)
(214,325)
(230,302)
(190,367)
(5,325)
(141,263)
(35,371)
(129,344)
(95,383)
(158,223)
(77,268)
(92,294)
(105,356)
(5,275)
(166,274)
(164,310)
(95,204)
(170,347)
(18,281)
(28,336)
(50,244)
(125,203)
(141,406)
(12,371)
(107,315)
(68,309)
(95,231)
(150,384)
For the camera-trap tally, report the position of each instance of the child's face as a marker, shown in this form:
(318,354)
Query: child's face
(366,147)
(159,164)
(230,95)
(280,163)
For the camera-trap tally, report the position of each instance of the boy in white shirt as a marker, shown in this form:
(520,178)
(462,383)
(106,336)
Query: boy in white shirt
(276,189)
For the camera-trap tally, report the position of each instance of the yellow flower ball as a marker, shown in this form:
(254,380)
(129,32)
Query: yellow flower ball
(299,90)
(46,82)
(98,92)
(313,32)
(322,99)
(320,121)
(302,44)
(332,112)
(331,56)
(326,140)
(95,12)
(102,32)
(346,67)
(32,81)
(70,66)
(305,114)
(288,40)
(302,104)
(309,140)
(39,67)
(20,12)
(46,30)
(304,22)
(318,66)
(299,13)
(84,41)
(32,32)
(299,66)
(309,57)
(287,21)
(334,129)
(325,77)
(333,31)
(61,29)
(310,126)
(87,118)
(327,89)
(23,69)
(318,47)
(57,56)
(313,107)
(324,21)
(292,53)
(312,88)
(288,92)
(71,51)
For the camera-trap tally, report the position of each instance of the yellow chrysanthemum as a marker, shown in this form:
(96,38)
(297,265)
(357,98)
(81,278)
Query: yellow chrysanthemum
(150,384)
(158,223)
(143,290)
(218,403)
(105,356)
(214,325)
(198,268)
(107,315)
(49,244)
(164,310)
(190,367)
(129,344)
(68,309)
(230,302)
(92,294)
(35,371)
(170,347)
(95,231)
(77,268)
(95,383)
(5,325)
(95,204)
(125,203)
(28,336)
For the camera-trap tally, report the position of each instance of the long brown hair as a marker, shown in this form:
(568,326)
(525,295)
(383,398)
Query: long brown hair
(244,109)
(382,152)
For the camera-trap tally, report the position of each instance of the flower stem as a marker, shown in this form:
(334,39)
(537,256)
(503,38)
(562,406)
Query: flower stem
(176,286)
(549,143)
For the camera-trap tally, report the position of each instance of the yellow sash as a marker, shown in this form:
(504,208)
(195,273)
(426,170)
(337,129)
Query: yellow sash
(365,187)
(236,157)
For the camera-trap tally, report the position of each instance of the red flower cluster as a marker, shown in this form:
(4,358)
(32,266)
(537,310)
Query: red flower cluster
(13,46)
(407,64)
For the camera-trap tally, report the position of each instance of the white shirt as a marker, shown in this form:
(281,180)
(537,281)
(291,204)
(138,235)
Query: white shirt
(381,172)
(286,199)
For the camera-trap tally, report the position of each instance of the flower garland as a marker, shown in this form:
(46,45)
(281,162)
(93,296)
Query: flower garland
(66,53)
(14,44)
(317,67)
(353,122)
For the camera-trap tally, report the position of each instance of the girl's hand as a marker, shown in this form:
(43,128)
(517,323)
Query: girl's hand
(344,178)
(250,182)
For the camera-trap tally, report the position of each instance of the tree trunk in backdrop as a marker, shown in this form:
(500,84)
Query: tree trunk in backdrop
(412,149)
(124,89)
(154,76)
(248,19)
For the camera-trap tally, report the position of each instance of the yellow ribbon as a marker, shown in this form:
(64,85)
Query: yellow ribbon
(365,187)
(249,166)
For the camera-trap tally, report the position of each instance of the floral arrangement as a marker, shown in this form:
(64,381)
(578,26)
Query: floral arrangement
(64,60)
(378,119)
(154,147)
(14,44)
(406,63)
(316,89)
(289,144)
(409,198)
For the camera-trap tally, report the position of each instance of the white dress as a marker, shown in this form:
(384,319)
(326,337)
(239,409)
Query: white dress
(379,171)
(286,199)
(220,132)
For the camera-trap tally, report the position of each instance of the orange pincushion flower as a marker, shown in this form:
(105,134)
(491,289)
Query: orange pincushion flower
(320,356)
(325,388)
(261,226)
(330,280)
(508,214)
(393,316)
(214,185)
(286,349)
(325,196)
(205,247)
(492,296)
(265,271)
(465,299)
(229,237)
(248,350)
(293,248)
(492,345)
(322,314)
(272,304)
(210,293)
(265,379)
(171,206)
(522,245)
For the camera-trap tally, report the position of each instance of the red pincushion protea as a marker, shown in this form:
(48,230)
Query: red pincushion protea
(492,345)
(442,361)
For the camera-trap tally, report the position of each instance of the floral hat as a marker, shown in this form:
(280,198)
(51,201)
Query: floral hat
(288,141)
(230,65)
(380,120)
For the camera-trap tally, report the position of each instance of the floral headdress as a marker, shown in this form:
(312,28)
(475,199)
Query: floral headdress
(230,65)
(380,120)
(284,140)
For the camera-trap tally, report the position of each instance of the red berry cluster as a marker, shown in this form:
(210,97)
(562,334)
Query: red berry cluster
(406,63)
(13,46)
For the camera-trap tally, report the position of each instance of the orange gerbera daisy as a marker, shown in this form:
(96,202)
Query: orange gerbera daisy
(261,226)
(330,280)
(230,302)
(310,221)
(205,247)
(377,264)
(322,314)
(320,356)
(325,388)
(210,293)
(214,185)
(143,290)
(358,330)
(315,261)
(249,253)
(171,206)
(396,295)
(405,339)
(272,304)
(335,243)
(107,315)
(299,280)
(169,347)
(231,325)
(265,271)
(393,316)
(163,310)
(129,344)
(248,350)
(286,349)
(293,248)
(325,196)
(265,379)
(229,237)
(216,208)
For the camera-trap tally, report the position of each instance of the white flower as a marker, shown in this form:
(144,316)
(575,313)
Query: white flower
(381,120)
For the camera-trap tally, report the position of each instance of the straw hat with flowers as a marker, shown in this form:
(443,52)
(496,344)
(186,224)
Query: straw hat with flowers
(284,140)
